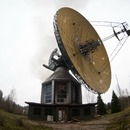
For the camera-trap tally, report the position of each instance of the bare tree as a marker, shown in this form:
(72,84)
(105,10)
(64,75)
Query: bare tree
(10,101)
(1,95)
(12,95)
(118,88)
(123,96)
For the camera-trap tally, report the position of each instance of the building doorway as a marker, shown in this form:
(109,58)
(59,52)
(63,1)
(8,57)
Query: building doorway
(62,116)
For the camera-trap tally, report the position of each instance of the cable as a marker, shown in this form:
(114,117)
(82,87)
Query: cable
(119,50)
(105,65)
(105,23)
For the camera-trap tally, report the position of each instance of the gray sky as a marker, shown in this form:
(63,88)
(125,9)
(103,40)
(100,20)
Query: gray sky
(27,39)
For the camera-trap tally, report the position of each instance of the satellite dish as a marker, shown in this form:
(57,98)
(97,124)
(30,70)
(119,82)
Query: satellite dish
(82,49)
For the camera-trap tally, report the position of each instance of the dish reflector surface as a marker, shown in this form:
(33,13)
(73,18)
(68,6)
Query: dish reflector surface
(82,49)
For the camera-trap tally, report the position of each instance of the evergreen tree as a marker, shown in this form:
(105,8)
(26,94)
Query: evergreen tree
(115,104)
(108,107)
(101,110)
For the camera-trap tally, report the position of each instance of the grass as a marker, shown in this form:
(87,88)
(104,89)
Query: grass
(120,120)
(10,121)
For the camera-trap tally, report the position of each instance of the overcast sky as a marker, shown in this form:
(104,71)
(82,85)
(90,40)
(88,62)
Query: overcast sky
(27,39)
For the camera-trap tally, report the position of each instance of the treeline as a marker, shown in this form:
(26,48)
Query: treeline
(8,104)
(117,104)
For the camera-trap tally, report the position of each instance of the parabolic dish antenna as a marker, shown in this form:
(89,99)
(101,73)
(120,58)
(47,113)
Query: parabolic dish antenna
(82,49)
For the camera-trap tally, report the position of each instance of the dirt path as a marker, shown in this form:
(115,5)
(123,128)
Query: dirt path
(100,124)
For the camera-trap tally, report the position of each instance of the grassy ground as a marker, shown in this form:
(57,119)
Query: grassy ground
(120,120)
(16,122)
(117,121)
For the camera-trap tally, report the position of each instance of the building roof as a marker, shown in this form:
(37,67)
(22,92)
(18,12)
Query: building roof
(61,73)
(54,105)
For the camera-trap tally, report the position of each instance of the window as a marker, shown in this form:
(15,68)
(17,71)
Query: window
(49,111)
(75,112)
(61,91)
(60,100)
(48,91)
(87,111)
(37,111)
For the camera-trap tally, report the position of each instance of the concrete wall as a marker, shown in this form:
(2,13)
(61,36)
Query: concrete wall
(74,94)
(51,113)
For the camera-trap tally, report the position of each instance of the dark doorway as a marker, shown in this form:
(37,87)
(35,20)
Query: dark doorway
(62,115)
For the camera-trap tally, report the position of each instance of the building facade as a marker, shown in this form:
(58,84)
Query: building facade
(61,100)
